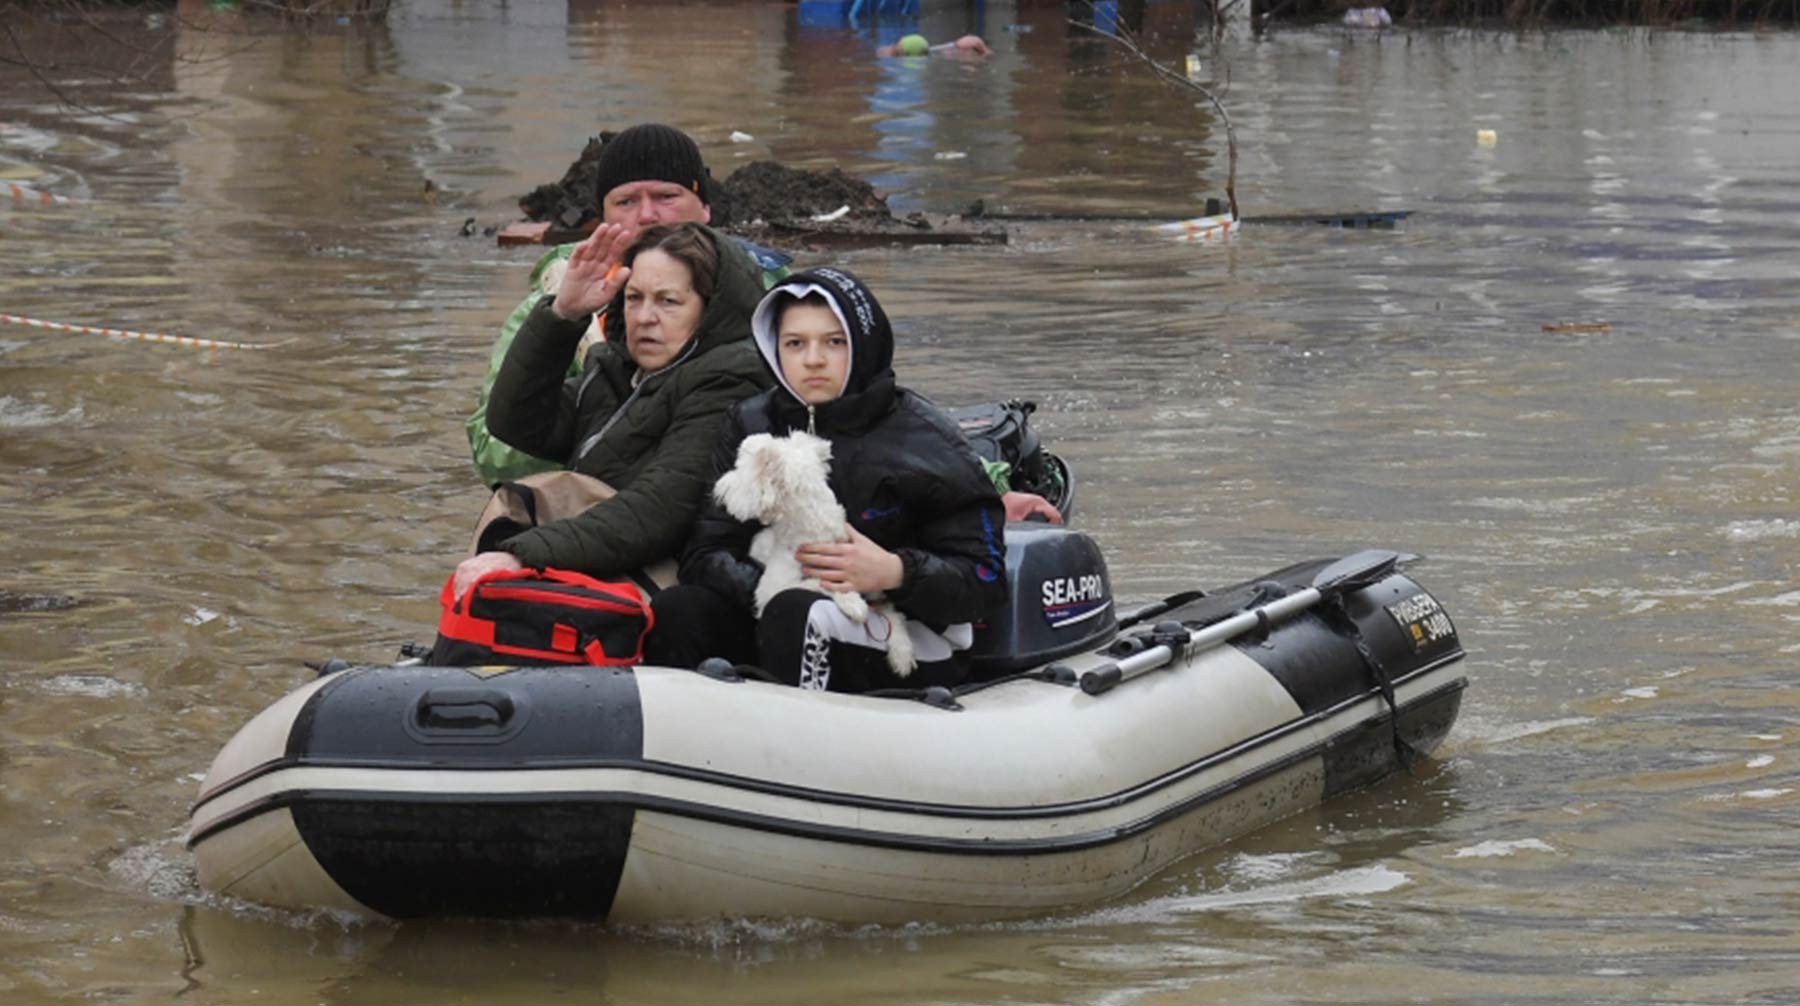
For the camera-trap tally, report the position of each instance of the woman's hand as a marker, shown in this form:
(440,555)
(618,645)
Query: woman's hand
(476,566)
(858,565)
(594,274)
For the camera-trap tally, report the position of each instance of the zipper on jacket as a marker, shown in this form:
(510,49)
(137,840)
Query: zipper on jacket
(810,428)
(618,413)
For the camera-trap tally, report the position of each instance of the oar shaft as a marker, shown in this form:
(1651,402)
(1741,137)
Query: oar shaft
(1095,682)
(1352,572)
(1220,632)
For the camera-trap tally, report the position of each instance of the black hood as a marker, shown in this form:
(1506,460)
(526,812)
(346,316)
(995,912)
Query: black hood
(865,323)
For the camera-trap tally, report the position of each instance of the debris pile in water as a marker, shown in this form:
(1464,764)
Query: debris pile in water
(765,200)
(774,193)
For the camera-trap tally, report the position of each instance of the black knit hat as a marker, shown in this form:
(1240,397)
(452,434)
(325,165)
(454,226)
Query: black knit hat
(650,152)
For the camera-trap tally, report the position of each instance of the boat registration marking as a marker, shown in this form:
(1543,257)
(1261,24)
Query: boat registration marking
(1423,620)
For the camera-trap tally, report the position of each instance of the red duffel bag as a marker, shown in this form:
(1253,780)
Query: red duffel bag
(541,616)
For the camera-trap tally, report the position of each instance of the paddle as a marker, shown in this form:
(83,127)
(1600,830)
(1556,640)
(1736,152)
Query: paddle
(1353,572)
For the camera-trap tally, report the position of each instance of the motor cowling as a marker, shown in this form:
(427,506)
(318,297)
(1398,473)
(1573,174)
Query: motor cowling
(1059,601)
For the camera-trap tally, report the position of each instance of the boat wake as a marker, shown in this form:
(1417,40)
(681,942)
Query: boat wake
(164,870)
(161,869)
(1356,882)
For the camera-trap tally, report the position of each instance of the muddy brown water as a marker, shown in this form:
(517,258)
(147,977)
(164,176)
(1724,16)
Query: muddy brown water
(1609,515)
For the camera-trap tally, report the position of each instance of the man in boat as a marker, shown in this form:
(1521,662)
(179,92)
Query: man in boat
(648,175)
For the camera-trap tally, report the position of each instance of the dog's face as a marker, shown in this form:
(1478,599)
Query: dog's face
(773,474)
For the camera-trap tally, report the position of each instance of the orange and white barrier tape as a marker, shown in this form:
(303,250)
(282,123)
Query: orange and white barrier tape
(24,196)
(119,333)
(1199,228)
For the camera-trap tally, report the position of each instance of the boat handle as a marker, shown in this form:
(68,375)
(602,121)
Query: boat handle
(446,710)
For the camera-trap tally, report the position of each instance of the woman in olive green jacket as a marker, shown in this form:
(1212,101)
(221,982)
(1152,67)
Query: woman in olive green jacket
(644,411)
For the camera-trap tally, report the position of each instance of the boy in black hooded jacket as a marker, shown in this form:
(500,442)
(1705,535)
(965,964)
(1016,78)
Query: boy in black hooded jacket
(925,522)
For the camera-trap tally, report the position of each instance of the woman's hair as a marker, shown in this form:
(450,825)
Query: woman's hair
(688,244)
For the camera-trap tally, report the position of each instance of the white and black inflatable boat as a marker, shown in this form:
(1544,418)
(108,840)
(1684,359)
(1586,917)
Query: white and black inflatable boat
(1098,749)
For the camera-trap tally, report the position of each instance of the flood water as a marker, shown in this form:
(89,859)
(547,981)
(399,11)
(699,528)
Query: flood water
(1609,512)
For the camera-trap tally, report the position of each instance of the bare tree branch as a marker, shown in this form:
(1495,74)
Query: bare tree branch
(126,47)
(56,90)
(1124,38)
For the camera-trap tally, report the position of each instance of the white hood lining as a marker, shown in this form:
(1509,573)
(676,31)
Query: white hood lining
(762,327)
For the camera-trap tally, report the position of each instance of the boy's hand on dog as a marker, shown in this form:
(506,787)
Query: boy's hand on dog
(857,565)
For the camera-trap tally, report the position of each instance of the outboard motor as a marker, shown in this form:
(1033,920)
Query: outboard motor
(1059,602)
(1001,431)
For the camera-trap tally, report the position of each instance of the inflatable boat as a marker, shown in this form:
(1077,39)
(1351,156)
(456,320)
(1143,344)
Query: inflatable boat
(1094,749)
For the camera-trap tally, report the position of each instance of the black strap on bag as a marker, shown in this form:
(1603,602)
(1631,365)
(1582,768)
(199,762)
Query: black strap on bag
(502,528)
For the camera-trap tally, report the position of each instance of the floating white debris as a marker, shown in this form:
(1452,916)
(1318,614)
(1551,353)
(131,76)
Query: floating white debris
(201,616)
(837,214)
(738,136)
(1756,530)
(1489,850)
(1749,794)
(93,686)
(1760,761)
(949,155)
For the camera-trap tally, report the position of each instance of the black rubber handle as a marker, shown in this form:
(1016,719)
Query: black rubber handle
(463,709)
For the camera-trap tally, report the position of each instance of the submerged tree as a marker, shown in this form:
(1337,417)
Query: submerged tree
(1119,32)
(72,49)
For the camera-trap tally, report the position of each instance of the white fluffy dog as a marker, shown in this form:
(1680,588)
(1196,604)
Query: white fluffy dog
(782,482)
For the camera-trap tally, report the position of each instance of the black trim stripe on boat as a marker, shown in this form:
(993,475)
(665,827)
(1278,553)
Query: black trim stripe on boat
(763,786)
(886,839)
(922,808)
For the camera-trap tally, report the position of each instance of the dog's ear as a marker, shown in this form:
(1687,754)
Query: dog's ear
(778,472)
(743,491)
(765,463)
(751,446)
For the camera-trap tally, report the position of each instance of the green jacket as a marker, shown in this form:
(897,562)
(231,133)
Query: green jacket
(652,442)
(497,461)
